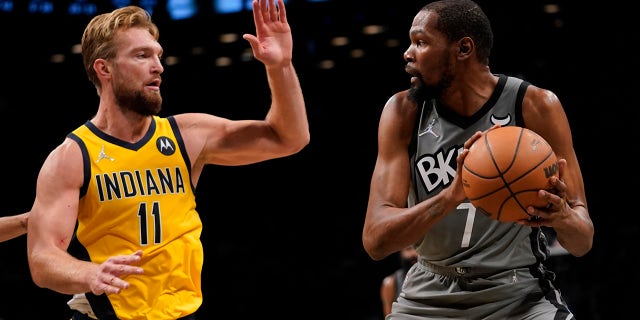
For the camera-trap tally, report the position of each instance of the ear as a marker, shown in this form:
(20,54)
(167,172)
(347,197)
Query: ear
(102,68)
(465,47)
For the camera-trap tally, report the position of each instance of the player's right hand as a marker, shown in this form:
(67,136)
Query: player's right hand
(107,279)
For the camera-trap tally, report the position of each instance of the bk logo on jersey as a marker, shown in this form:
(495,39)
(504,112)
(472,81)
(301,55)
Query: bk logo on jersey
(166,146)
(438,170)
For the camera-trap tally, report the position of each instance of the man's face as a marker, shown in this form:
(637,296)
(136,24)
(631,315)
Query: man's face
(136,72)
(429,58)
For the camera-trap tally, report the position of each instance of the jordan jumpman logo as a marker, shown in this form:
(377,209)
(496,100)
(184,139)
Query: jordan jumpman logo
(103,155)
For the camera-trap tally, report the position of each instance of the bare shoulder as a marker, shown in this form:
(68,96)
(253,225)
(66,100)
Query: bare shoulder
(200,128)
(399,107)
(540,101)
(67,151)
(543,113)
(64,162)
(195,121)
(400,101)
(397,122)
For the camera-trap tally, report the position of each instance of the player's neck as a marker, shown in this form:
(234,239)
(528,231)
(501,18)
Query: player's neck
(122,124)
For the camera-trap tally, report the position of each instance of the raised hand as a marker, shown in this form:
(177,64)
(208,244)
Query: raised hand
(272,44)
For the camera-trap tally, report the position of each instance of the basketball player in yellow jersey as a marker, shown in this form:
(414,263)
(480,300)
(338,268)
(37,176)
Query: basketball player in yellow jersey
(114,221)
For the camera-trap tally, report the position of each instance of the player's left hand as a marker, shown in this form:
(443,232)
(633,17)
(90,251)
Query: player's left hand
(272,44)
(557,205)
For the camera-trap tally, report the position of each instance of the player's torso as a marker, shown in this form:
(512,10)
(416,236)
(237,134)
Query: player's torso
(465,237)
(139,196)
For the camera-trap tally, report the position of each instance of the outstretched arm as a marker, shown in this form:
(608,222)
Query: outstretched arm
(273,46)
(13,226)
(285,129)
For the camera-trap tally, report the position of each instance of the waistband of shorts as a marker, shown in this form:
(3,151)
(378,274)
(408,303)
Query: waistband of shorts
(457,271)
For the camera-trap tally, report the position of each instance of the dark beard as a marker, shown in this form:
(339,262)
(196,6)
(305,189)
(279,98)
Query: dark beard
(138,102)
(423,92)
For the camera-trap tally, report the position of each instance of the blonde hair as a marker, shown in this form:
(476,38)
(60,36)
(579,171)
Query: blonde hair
(98,37)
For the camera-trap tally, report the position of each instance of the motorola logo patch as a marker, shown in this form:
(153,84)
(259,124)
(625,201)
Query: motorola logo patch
(166,146)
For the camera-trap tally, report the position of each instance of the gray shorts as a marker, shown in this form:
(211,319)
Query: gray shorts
(435,292)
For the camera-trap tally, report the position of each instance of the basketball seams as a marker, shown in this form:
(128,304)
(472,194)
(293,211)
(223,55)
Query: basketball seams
(505,194)
(506,184)
(537,166)
(514,195)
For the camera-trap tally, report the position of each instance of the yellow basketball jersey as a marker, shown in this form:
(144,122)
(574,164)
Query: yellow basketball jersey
(140,196)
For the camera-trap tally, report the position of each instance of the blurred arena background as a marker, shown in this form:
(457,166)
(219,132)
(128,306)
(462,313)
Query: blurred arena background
(282,238)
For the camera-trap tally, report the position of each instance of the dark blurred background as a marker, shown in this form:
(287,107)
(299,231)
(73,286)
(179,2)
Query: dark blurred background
(282,238)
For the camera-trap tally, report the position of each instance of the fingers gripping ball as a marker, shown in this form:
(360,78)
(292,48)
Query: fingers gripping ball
(504,170)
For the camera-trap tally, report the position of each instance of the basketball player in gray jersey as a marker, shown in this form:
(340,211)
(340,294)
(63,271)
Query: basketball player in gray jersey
(469,266)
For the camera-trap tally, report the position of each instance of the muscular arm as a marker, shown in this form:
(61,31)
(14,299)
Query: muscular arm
(13,226)
(273,46)
(51,223)
(285,129)
(389,225)
(544,114)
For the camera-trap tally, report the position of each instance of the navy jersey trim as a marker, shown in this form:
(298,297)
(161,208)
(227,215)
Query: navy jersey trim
(122,143)
(100,305)
(86,166)
(183,148)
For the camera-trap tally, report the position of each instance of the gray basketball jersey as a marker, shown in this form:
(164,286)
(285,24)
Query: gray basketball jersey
(467,237)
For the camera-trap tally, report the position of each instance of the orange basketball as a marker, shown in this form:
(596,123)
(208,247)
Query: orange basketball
(504,170)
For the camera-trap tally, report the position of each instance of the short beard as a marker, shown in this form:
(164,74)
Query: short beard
(138,102)
(423,92)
